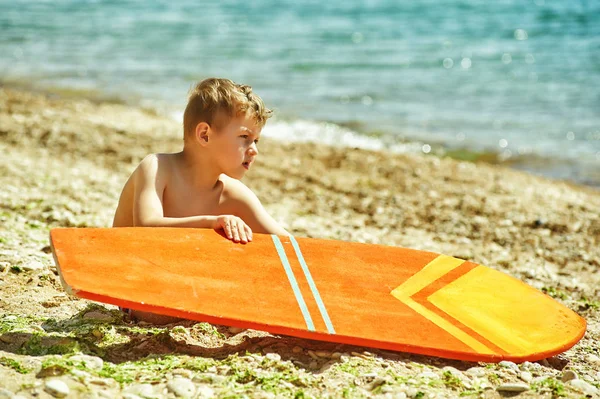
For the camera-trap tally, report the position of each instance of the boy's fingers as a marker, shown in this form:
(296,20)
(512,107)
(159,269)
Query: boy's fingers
(243,236)
(236,234)
(228,229)
(248,232)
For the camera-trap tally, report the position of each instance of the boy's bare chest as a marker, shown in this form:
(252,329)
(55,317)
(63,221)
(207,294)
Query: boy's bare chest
(184,203)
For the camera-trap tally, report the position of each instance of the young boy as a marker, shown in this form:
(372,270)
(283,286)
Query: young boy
(199,186)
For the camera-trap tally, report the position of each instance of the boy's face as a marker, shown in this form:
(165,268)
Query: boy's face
(235,145)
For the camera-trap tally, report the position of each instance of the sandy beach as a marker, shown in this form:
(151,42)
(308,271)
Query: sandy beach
(65,159)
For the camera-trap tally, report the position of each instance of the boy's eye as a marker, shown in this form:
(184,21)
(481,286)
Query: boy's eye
(244,136)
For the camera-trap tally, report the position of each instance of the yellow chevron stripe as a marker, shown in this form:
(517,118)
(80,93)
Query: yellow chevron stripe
(447,326)
(435,269)
(488,312)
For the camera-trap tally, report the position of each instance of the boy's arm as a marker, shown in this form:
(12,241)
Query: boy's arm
(253,213)
(149,185)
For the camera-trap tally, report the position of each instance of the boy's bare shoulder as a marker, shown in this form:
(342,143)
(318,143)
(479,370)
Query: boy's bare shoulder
(235,190)
(155,163)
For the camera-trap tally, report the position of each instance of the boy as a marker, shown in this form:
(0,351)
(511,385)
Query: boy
(199,186)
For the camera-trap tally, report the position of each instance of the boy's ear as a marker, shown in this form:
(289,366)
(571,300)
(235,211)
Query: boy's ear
(202,133)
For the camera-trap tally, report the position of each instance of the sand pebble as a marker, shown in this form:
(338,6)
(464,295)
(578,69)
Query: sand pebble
(376,383)
(205,391)
(584,387)
(144,390)
(183,373)
(513,387)
(568,376)
(454,371)
(108,394)
(296,349)
(526,376)
(235,330)
(323,353)
(95,315)
(592,358)
(57,388)
(313,354)
(4,265)
(476,371)
(275,357)
(428,374)
(181,387)
(91,362)
(33,265)
(509,365)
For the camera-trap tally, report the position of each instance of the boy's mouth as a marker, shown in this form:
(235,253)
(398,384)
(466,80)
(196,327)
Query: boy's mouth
(246,164)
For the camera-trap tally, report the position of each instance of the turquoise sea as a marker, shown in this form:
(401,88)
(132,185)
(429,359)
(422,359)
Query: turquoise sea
(516,77)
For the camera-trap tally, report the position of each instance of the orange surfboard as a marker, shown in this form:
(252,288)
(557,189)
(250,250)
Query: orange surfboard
(361,294)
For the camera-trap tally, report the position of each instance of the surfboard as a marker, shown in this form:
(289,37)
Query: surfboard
(352,293)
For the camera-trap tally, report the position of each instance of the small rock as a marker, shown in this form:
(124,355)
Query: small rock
(429,375)
(235,330)
(181,387)
(143,390)
(513,387)
(313,365)
(297,349)
(313,354)
(376,383)
(509,365)
(323,353)
(584,387)
(4,266)
(79,373)
(336,355)
(592,358)
(183,373)
(273,357)
(57,388)
(526,376)
(91,362)
(568,376)
(205,392)
(5,393)
(101,381)
(109,395)
(95,315)
(528,365)
(476,371)
(33,265)
(411,392)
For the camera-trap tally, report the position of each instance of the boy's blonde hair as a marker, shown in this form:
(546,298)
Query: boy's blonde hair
(215,101)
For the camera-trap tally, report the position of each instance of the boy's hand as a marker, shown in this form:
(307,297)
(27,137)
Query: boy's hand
(234,227)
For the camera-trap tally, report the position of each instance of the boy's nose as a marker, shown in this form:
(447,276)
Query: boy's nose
(253,149)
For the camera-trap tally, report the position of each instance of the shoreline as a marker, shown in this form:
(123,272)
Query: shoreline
(557,170)
(65,161)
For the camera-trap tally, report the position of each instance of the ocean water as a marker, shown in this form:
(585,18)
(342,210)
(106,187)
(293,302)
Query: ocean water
(517,77)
